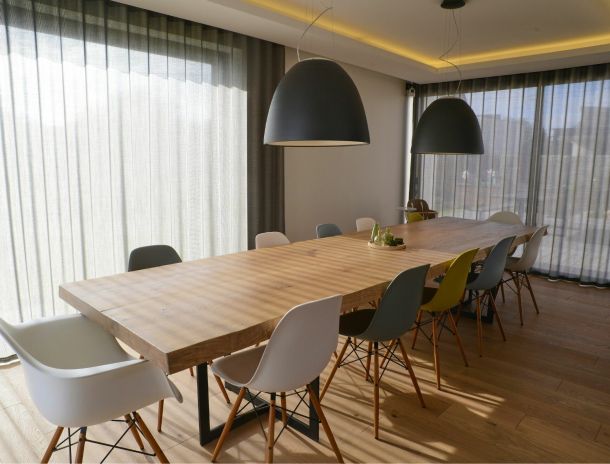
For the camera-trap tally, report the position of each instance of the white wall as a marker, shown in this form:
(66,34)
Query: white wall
(340,184)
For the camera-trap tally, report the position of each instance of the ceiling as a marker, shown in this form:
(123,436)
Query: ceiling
(404,38)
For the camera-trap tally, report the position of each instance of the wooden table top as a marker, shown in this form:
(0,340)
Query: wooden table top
(185,314)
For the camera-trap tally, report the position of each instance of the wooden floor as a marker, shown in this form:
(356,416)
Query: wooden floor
(544,395)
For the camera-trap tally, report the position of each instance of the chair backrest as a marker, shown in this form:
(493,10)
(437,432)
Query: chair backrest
(300,347)
(530,252)
(452,287)
(414,217)
(52,342)
(50,351)
(419,204)
(77,374)
(152,256)
(270,239)
(327,230)
(505,217)
(365,223)
(494,265)
(399,305)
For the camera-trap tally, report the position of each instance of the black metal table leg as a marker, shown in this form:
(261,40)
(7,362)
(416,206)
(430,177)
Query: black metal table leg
(310,429)
(203,405)
(208,433)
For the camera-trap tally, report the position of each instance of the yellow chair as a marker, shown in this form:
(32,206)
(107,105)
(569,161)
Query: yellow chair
(437,302)
(414,217)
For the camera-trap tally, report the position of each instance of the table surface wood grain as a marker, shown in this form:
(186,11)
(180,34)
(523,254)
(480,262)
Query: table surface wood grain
(185,314)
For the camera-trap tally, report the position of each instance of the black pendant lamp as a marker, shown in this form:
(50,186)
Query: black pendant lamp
(448,126)
(316,104)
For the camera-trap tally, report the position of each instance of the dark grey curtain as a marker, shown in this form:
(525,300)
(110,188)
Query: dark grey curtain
(265,163)
(547,158)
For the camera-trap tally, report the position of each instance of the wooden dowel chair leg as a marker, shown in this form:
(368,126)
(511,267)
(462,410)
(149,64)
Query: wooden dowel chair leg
(150,439)
(52,444)
(479,327)
(376,390)
(492,302)
(529,287)
(80,450)
(367,373)
(411,373)
(228,424)
(437,361)
(134,431)
(387,356)
(335,367)
(271,430)
(457,338)
(284,409)
(222,388)
(517,282)
(329,434)
(502,291)
(417,323)
(192,372)
(160,415)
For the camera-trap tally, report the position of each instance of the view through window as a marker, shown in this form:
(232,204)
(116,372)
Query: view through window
(118,128)
(547,158)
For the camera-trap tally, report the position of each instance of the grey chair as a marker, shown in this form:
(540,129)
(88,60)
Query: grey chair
(327,230)
(393,318)
(147,257)
(486,281)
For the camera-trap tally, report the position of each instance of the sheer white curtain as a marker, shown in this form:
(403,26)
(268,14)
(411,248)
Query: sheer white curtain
(547,158)
(118,128)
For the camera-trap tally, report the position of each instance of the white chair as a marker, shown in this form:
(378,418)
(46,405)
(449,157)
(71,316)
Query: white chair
(78,375)
(365,223)
(519,267)
(298,350)
(270,239)
(505,217)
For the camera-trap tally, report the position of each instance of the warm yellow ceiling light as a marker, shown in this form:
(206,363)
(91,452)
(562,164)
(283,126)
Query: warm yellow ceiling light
(301,14)
(538,49)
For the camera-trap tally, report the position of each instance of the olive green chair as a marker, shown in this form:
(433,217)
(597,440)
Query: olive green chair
(414,217)
(438,302)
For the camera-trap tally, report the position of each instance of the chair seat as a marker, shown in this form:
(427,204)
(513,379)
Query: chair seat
(238,369)
(512,264)
(354,323)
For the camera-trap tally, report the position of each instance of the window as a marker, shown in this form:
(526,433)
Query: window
(547,158)
(118,128)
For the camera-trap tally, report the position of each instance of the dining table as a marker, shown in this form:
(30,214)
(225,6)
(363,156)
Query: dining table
(188,314)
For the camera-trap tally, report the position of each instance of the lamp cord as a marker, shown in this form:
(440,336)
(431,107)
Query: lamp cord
(306,29)
(442,57)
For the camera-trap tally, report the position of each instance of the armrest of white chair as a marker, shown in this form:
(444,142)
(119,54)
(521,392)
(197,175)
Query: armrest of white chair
(87,396)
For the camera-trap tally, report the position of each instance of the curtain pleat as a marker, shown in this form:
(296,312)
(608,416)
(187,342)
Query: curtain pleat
(119,128)
(265,162)
(547,158)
